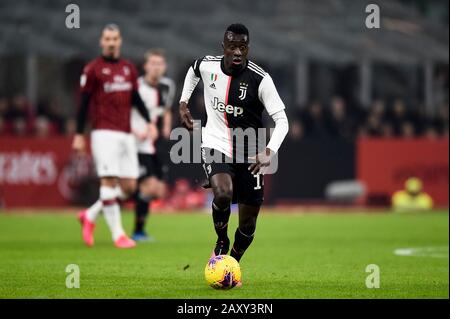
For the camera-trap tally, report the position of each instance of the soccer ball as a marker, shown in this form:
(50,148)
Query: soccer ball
(222,272)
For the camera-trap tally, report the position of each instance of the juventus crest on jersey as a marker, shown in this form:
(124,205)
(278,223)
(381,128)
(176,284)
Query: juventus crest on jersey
(233,101)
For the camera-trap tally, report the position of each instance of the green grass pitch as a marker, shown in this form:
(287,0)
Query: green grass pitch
(292,256)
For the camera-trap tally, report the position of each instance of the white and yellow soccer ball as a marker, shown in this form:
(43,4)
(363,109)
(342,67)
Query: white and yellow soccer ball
(223,272)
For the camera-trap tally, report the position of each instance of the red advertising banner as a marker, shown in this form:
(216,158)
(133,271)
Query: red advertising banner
(37,172)
(385,164)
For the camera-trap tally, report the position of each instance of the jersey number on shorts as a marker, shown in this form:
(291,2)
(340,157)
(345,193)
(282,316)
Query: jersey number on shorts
(258,181)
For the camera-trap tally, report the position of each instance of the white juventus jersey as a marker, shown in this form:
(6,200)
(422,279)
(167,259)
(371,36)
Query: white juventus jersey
(157,100)
(233,100)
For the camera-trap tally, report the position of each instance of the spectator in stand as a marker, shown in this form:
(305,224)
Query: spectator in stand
(316,125)
(70,127)
(441,122)
(4,106)
(379,109)
(296,130)
(398,116)
(376,123)
(387,130)
(19,109)
(341,124)
(52,111)
(2,126)
(42,127)
(430,132)
(373,126)
(19,115)
(20,127)
(408,130)
(3,110)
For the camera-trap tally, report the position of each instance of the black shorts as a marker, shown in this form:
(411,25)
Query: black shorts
(149,165)
(248,188)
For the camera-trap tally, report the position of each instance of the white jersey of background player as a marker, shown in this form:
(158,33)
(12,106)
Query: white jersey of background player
(157,92)
(158,100)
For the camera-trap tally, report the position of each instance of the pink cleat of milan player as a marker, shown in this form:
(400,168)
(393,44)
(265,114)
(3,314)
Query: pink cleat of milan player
(124,242)
(87,229)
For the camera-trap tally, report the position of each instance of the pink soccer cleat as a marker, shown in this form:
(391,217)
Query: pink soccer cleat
(124,242)
(87,229)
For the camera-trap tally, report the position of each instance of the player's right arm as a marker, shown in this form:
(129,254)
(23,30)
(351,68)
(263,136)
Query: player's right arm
(167,117)
(190,82)
(87,86)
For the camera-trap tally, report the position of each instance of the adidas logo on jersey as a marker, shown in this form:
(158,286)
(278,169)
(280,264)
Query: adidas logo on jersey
(229,109)
(212,86)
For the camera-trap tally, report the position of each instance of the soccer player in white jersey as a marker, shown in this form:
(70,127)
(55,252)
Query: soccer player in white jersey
(236,92)
(157,92)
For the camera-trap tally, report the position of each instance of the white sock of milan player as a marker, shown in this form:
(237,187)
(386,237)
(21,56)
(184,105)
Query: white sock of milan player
(93,211)
(120,194)
(111,210)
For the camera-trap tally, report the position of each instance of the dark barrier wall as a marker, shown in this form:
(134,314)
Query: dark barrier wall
(307,166)
(304,169)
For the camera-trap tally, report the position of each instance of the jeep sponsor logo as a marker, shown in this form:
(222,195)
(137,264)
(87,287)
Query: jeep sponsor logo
(229,109)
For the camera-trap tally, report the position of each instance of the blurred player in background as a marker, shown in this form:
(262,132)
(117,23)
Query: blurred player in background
(236,92)
(157,92)
(109,87)
(412,198)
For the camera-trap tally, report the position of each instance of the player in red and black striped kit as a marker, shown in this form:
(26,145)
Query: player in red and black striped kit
(109,89)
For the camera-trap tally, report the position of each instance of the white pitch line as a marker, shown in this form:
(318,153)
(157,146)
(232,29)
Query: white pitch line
(434,252)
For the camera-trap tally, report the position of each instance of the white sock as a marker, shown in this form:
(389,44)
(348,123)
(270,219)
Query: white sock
(114,220)
(120,194)
(111,211)
(93,211)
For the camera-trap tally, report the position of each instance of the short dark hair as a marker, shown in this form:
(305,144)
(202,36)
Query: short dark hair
(238,28)
(155,52)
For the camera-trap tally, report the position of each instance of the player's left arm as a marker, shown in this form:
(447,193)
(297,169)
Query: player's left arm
(271,100)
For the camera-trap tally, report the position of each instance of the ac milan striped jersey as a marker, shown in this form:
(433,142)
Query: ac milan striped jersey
(110,83)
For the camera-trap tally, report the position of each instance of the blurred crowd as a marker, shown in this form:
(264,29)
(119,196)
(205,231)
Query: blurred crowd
(381,119)
(317,120)
(19,118)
